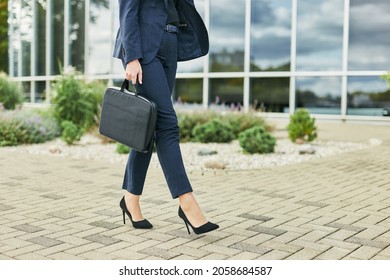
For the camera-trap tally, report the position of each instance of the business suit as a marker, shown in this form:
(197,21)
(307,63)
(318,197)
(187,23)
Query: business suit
(142,36)
(142,25)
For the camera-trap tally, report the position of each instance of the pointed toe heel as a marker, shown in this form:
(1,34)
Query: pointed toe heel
(144,224)
(207,227)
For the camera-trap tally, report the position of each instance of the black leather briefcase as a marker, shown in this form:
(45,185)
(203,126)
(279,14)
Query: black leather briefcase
(128,118)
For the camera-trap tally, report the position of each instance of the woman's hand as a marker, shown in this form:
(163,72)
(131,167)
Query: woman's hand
(134,71)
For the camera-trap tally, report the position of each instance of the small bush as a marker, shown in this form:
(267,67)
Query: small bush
(213,131)
(10,93)
(302,126)
(257,140)
(188,121)
(26,128)
(95,90)
(241,122)
(70,132)
(73,103)
(122,149)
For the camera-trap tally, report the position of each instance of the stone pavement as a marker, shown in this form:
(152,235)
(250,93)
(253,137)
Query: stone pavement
(332,208)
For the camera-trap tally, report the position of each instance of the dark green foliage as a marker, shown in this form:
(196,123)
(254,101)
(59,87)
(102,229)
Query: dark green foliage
(302,126)
(4,35)
(95,90)
(241,122)
(122,149)
(257,140)
(26,128)
(213,131)
(10,93)
(187,122)
(73,103)
(70,132)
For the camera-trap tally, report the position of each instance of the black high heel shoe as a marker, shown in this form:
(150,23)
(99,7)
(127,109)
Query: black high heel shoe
(140,224)
(198,230)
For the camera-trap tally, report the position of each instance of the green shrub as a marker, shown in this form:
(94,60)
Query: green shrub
(95,90)
(188,121)
(241,122)
(70,132)
(122,149)
(10,93)
(73,103)
(257,140)
(213,131)
(26,128)
(302,126)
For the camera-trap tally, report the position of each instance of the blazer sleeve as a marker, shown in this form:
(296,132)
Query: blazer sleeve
(130,31)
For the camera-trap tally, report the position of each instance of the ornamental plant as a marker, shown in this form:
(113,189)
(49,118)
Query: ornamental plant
(70,132)
(257,140)
(302,127)
(73,103)
(213,131)
(10,93)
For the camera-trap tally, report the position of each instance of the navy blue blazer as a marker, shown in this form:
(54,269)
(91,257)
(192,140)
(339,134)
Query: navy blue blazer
(142,24)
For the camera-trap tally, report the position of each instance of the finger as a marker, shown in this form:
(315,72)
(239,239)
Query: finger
(140,77)
(134,79)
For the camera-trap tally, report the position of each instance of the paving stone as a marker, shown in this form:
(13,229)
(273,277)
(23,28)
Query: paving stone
(44,241)
(255,217)
(366,242)
(250,248)
(28,228)
(99,238)
(364,253)
(5,207)
(333,254)
(266,230)
(346,227)
(160,253)
(105,225)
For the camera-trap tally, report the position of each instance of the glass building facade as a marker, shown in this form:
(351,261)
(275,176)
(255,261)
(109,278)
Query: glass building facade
(269,56)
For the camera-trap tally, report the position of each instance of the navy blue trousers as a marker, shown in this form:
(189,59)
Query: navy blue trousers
(157,85)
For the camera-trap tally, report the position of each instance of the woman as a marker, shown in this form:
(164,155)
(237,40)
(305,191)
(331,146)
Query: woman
(153,36)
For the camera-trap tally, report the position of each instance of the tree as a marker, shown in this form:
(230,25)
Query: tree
(4,35)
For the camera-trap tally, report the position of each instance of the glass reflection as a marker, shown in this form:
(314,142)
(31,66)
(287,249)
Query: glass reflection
(196,65)
(77,34)
(40,30)
(270,94)
(26,33)
(270,35)
(40,91)
(99,46)
(227,35)
(14,43)
(226,94)
(320,34)
(369,40)
(368,96)
(57,37)
(188,91)
(320,95)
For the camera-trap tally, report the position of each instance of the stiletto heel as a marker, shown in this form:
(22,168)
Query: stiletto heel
(140,224)
(188,229)
(207,227)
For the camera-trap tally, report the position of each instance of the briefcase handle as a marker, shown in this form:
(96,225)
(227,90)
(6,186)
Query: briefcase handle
(126,84)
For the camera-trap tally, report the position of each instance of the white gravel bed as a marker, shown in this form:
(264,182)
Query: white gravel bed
(228,157)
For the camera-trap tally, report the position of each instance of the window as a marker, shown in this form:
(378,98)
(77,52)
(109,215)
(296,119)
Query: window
(369,35)
(320,35)
(227,35)
(270,35)
(270,94)
(320,95)
(367,96)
